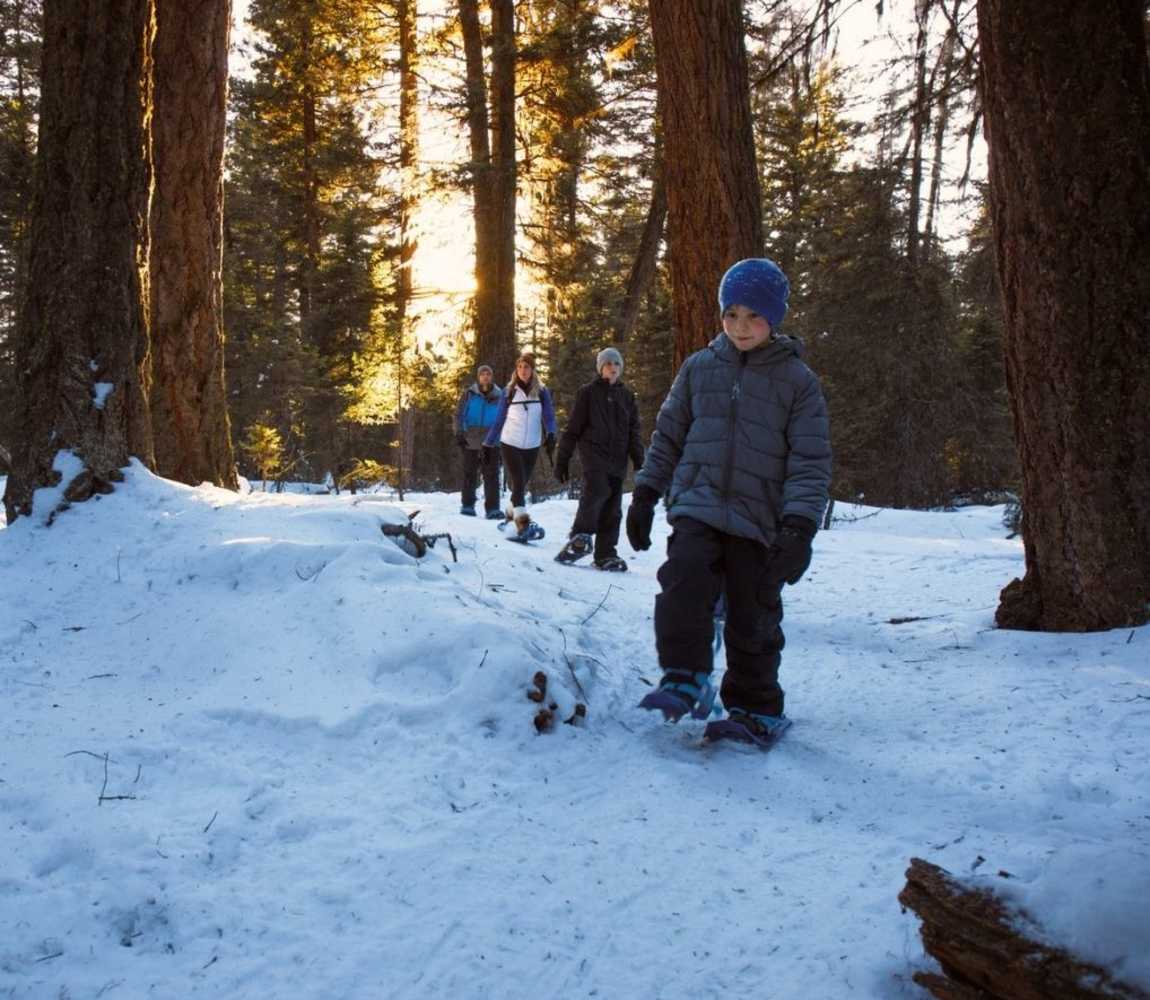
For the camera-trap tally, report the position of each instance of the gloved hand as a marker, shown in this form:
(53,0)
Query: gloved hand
(640,517)
(549,447)
(790,555)
(487,455)
(562,471)
(461,439)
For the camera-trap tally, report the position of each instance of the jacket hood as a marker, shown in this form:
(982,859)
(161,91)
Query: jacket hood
(778,348)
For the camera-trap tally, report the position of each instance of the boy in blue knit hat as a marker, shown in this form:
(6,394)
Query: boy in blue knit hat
(742,450)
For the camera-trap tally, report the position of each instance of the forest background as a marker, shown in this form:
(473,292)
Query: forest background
(353,179)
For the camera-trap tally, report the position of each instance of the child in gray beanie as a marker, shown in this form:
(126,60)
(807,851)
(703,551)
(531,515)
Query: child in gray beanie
(604,426)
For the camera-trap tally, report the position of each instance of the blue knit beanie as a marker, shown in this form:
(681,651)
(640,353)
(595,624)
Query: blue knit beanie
(758,284)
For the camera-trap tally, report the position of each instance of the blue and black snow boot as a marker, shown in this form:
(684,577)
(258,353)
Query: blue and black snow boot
(468,509)
(680,693)
(496,515)
(762,731)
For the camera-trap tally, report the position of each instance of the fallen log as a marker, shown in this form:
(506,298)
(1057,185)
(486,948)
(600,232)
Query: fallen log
(979,942)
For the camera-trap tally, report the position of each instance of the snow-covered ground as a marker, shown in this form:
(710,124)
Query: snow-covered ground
(251,748)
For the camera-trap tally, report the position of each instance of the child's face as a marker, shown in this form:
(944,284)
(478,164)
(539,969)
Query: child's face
(610,371)
(745,328)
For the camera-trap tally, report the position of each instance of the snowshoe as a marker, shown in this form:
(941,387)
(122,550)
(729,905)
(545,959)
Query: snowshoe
(468,510)
(496,515)
(576,548)
(611,564)
(681,693)
(762,731)
(531,532)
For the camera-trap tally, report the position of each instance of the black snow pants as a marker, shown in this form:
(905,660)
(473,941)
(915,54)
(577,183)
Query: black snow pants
(703,562)
(600,511)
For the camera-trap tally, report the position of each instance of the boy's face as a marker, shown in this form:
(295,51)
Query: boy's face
(485,380)
(745,328)
(610,371)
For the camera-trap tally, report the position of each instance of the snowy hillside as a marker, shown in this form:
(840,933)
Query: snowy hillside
(251,748)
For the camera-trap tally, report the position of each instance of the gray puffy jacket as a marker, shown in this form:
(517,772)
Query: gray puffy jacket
(742,439)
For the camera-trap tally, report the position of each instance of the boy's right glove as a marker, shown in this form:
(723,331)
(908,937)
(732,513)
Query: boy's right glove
(790,555)
(640,517)
(461,439)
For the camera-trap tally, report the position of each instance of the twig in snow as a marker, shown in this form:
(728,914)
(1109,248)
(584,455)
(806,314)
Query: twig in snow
(73,628)
(132,619)
(111,798)
(96,677)
(211,821)
(571,667)
(483,661)
(211,961)
(119,552)
(27,621)
(48,958)
(1130,637)
(610,587)
(98,756)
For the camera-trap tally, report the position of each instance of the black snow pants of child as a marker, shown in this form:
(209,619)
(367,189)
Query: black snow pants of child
(520,463)
(472,464)
(600,511)
(703,562)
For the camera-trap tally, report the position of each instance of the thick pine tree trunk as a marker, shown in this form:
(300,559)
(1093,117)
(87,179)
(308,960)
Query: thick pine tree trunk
(714,215)
(1066,89)
(189,405)
(82,341)
(493,182)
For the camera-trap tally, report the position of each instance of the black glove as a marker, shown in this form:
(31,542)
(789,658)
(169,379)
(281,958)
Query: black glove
(549,447)
(562,471)
(640,517)
(487,455)
(461,439)
(790,555)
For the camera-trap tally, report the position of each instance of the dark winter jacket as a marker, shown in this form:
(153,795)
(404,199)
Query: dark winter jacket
(742,439)
(524,431)
(476,413)
(604,424)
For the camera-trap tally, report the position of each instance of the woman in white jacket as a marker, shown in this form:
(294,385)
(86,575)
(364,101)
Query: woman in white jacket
(526,421)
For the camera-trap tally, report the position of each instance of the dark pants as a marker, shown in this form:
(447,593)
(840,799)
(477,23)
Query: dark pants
(703,562)
(520,463)
(600,511)
(472,463)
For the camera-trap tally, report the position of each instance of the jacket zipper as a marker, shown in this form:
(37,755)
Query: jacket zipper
(729,466)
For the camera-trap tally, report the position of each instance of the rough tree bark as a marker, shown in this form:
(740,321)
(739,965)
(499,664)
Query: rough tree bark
(82,336)
(984,953)
(1066,91)
(189,405)
(492,138)
(714,215)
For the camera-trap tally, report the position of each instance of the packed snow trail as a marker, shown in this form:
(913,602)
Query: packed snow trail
(322,778)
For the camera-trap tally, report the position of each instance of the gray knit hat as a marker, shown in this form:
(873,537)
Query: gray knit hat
(608,354)
(484,368)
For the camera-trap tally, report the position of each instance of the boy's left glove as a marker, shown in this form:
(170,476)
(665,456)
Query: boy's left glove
(562,471)
(790,555)
(549,447)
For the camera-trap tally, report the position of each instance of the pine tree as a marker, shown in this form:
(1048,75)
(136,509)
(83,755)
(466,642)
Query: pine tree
(82,339)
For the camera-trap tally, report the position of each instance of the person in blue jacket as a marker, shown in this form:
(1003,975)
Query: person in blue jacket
(525,422)
(477,411)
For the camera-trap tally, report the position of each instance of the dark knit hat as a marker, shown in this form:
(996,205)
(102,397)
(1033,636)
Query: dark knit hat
(758,284)
(606,355)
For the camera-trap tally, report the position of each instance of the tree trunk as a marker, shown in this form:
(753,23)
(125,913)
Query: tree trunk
(82,339)
(714,215)
(1071,213)
(919,123)
(984,953)
(646,258)
(189,404)
(493,183)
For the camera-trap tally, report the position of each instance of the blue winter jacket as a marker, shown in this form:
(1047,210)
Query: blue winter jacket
(476,413)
